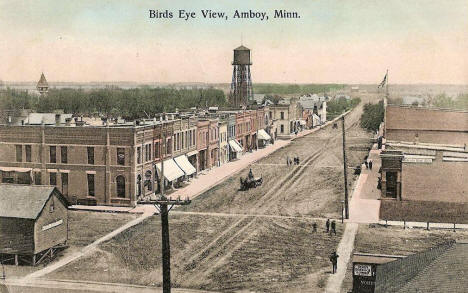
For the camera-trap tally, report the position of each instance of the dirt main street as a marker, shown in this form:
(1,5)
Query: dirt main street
(236,250)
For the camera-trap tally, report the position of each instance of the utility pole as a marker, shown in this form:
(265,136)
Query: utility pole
(164,205)
(344,169)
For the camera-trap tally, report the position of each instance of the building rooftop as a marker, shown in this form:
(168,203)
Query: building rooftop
(422,118)
(438,270)
(42,81)
(23,201)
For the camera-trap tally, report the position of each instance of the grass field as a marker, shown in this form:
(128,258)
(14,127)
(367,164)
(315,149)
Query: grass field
(397,241)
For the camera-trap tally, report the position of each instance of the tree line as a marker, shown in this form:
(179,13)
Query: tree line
(298,89)
(112,102)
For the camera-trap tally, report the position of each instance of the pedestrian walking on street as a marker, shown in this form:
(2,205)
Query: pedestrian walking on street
(314,227)
(298,160)
(327,225)
(370,164)
(333,227)
(367,164)
(334,261)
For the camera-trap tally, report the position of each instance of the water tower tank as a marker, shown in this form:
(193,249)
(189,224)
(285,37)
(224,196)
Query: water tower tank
(241,56)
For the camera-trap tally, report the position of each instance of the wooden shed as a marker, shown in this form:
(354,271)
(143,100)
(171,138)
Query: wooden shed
(33,222)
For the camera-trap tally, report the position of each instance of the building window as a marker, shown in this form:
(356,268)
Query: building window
(53,178)
(28,153)
(52,205)
(120,180)
(282,128)
(281,115)
(8,177)
(138,155)
(90,155)
(169,146)
(121,156)
(90,184)
(156,150)
(19,153)
(53,154)
(64,177)
(37,178)
(64,154)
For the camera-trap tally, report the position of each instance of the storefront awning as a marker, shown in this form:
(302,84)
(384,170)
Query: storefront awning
(192,153)
(171,170)
(185,165)
(235,146)
(15,169)
(262,134)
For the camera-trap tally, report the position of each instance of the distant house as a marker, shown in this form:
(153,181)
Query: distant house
(33,222)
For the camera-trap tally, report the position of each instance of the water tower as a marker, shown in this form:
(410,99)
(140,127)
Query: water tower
(42,86)
(241,86)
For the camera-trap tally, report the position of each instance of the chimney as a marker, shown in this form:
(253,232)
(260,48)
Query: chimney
(57,119)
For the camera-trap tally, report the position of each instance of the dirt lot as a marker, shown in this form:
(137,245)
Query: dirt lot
(397,241)
(216,253)
(86,227)
(423,211)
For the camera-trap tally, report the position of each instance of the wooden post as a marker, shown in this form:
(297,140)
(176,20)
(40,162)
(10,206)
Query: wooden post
(427,226)
(345,171)
(404,224)
(454,227)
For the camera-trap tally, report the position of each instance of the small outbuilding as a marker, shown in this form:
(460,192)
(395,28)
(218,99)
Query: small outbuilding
(33,223)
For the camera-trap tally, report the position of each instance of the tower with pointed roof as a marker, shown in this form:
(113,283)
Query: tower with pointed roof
(42,85)
(241,86)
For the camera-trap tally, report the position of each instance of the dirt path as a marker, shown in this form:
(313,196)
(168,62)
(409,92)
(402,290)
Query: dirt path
(345,248)
(85,250)
(74,286)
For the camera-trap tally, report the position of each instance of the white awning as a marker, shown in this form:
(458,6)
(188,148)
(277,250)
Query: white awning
(171,170)
(185,165)
(235,146)
(302,122)
(15,169)
(262,134)
(189,154)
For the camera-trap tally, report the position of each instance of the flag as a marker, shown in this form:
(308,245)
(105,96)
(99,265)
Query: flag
(384,81)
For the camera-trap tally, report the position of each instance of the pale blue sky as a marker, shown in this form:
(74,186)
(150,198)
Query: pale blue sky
(333,41)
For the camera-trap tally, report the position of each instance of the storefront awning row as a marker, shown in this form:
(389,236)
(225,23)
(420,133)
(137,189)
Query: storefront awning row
(15,169)
(235,146)
(171,170)
(263,135)
(185,165)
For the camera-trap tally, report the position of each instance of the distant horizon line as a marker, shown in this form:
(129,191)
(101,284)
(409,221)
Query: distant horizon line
(3,82)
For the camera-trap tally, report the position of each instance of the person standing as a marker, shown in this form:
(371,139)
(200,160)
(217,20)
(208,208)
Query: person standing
(327,225)
(314,227)
(333,227)
(367,164)
(370,164)
(334,260)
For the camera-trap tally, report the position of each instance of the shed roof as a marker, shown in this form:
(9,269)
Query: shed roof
(23,201)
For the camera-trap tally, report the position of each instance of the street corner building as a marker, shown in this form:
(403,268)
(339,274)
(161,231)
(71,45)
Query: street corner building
(33,223)
(424,165)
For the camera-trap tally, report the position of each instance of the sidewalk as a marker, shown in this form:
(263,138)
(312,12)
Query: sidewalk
(365,204)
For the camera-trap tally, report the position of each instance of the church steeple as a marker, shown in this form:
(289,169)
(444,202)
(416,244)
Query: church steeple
(42,85)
